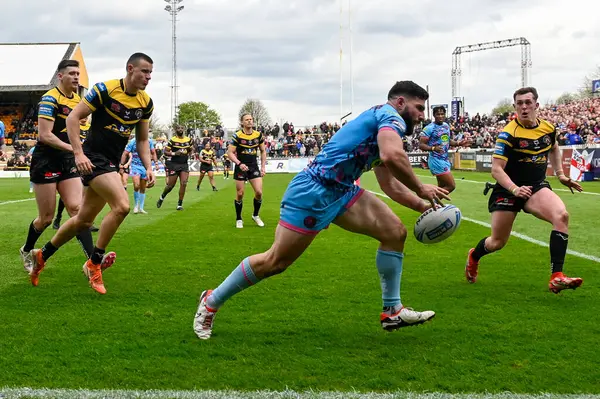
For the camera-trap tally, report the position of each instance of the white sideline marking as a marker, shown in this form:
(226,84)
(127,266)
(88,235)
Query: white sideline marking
(481,182)
(10,393)
(16,201)
(518,235)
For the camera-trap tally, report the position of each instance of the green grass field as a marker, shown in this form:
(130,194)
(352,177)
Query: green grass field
(315,326)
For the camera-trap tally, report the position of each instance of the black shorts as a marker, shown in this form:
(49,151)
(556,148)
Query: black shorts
(102,165)
(227,164)
(204,168)
(503,200)
(252,173)
(175,169)
(45,170)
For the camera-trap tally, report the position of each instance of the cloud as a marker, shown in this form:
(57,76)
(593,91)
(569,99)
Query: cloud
(288,53)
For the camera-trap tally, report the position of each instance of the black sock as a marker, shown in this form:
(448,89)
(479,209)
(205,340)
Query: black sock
(238,209)
(166,191)
(558,250)
(48,250)
(32,237)
(257,204)
(480,250)
(86,241)
(180,203)
(97,256)
(60,209)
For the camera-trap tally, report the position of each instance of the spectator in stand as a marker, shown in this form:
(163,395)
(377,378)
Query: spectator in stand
(2,130)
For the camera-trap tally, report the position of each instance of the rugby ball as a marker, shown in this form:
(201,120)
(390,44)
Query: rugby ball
(434,226)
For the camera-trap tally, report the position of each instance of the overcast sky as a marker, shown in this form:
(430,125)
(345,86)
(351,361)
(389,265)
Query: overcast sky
(286,53)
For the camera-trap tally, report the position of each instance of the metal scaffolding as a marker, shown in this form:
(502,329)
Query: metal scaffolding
(525,59)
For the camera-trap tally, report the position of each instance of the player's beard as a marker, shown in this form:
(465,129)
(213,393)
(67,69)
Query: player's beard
(410,125)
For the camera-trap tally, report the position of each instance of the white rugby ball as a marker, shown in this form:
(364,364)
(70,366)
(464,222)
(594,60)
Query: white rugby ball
(434,226)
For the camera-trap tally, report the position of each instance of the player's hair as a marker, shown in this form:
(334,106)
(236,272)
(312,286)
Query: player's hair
(408,88)
(137,57)
(439,108)
(525,90)
(64,64)
(244,114)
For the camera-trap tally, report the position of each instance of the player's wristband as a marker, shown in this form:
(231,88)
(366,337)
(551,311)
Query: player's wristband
(513,189)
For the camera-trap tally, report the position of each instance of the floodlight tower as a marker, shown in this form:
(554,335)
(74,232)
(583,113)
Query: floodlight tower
(174,8)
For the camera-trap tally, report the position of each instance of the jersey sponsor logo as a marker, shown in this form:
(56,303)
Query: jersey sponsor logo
(91,96)
(444,137)
(49,99)
(523,144)
(45,110)
(115,107)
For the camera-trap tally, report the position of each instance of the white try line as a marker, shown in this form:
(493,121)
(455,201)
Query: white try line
(515,234)
(17,201)
(10,393)
(481,182)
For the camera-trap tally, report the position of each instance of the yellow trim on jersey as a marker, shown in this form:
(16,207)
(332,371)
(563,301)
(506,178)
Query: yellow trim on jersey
(90,106)
(46,117)
(48,103)
(533,152)
(504,142)
(500,157)
(117,117)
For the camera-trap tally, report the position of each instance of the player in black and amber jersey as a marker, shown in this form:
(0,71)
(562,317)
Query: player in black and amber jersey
(178,152)
(519,166)
(52,165)
(226,166)
(208,159)
(85,126)
(118,106)
(243,150)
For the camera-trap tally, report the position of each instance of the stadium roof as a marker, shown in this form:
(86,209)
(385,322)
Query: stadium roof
(32,66)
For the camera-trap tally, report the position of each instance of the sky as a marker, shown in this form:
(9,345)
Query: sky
(287,53)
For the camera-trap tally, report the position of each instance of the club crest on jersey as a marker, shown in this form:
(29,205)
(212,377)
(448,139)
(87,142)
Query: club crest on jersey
(66,110)
(138,114)
(547,140)
(244,142)
(523,143)
(115,107)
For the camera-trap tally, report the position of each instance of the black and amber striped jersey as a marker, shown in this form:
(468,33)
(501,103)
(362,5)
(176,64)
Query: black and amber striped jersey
(525,151)
(207,155)
(84,128)
(55,106)
(180,143)
(247,145)
(115,114)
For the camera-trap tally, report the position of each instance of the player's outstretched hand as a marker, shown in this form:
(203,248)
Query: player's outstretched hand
(523,192)
(433,194)
(570,183)
(84,165)
(151,178)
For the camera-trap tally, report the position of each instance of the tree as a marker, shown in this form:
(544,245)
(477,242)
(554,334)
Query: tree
(585,91)
(257,110)
(503,107)
(198,114)
(156,128)
(566,98)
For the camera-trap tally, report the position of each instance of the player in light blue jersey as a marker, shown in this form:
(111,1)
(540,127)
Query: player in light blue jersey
(325,193)
(30,154)
(138,173)
(436,139)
